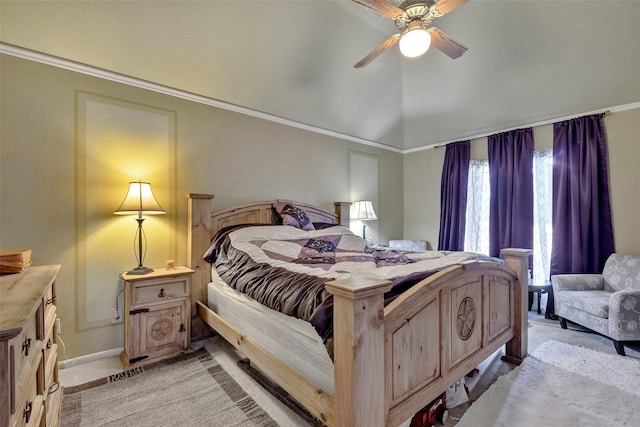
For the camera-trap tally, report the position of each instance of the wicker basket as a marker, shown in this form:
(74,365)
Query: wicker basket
(14,260)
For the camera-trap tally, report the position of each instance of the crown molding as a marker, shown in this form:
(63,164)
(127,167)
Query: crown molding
(606,111)
(101,73)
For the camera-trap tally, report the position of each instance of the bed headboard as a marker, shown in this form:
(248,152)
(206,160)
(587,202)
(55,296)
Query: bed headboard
(203,224)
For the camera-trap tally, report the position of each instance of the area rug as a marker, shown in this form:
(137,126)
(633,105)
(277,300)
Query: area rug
(190,390)
(562,385)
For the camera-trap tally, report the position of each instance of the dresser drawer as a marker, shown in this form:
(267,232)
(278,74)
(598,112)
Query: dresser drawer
(29,410)
(50,297)
(50,361)
(150,292)
(52,404)
(52,390)
(49,312)
(49,331)
(26,350)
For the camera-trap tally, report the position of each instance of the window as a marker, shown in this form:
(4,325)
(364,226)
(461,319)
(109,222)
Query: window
(476,237)
(542,214)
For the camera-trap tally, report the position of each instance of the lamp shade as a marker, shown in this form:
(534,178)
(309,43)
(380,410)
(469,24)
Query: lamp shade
(363,211)
(140,200)
(415,42)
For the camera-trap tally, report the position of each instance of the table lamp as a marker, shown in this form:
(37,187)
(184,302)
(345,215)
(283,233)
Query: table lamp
(140,200)
(363,211)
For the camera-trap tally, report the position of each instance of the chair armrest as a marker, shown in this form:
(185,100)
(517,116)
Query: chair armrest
(627,300)
(624,315)
(577,282)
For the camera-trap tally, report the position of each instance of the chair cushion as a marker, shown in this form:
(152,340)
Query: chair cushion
(593,302)
(409,245)
(621,272)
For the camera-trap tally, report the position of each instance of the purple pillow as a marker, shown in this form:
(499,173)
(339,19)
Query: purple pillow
(294,216)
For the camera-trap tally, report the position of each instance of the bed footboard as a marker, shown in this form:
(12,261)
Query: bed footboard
(391,361)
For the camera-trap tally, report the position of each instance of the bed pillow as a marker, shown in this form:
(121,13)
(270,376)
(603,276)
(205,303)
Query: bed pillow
(323,225)
(294,216)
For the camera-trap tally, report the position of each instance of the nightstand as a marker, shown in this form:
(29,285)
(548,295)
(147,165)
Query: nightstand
(157,315)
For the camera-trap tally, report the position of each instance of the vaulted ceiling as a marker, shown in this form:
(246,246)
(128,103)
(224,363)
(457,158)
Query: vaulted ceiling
(528,61)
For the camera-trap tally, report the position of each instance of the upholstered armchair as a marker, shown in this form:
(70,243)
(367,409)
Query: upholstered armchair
(607,303)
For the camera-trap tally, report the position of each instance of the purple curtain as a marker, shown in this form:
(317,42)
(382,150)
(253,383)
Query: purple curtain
(453,196)
(582,227)
(511,202)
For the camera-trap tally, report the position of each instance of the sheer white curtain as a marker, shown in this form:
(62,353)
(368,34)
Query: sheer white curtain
(476,237)
(478,198)
(542,208)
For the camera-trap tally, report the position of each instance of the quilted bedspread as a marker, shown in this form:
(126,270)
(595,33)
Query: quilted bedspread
(285,268)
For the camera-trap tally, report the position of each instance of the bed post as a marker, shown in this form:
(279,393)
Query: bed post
(358,335)
(198,240)
(342,212)
(518,261)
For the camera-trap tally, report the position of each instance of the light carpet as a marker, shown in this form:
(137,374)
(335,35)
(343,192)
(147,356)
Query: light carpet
(192,390)
(562,385)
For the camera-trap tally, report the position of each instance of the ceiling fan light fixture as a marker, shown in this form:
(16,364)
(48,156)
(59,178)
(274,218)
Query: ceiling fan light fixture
(415,42)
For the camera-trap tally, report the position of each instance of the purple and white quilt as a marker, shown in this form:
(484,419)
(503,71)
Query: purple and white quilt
(285,268)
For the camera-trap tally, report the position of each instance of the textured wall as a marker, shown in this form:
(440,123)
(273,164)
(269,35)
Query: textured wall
(69,144)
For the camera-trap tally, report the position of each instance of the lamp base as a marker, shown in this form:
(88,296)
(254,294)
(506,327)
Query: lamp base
(140,270)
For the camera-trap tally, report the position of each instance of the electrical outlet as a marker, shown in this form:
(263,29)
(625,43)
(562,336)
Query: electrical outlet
(58,328)
(116,315)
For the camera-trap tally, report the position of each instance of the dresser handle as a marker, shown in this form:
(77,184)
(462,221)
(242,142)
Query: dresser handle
(182,328)
(26,414)
(162,294)
(26,345)
(51,300)
(49,344)
(54,387)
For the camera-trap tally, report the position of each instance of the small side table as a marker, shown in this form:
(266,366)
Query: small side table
(539,288)
(157,315)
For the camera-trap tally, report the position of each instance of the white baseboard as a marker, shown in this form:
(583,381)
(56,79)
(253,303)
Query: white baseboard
(89,358)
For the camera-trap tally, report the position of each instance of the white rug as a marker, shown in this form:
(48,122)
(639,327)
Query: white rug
(562,385)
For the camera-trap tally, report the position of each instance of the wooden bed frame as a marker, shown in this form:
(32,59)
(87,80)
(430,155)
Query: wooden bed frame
(391,361)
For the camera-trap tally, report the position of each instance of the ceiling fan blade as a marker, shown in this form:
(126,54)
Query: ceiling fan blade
(377,51)
(446,6)
(446,44)
(382,7)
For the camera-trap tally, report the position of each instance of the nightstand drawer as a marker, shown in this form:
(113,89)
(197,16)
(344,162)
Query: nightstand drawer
(148,292)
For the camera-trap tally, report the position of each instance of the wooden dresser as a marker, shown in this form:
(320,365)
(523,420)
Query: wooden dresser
(30,394)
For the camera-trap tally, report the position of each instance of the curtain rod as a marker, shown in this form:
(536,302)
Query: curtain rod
(606,113)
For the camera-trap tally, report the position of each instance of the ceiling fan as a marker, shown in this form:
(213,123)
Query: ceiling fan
(412,18)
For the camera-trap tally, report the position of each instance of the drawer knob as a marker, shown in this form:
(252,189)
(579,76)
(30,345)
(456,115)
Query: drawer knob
(26,345)
(26,414)
(49,344)
(51,300)
(162,294)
